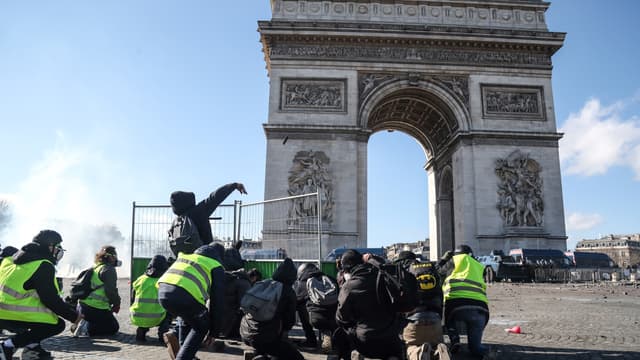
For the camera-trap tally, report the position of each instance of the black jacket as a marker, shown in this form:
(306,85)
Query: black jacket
(43,279)
(184,203)
(253,331)
(236,284)
(359,312)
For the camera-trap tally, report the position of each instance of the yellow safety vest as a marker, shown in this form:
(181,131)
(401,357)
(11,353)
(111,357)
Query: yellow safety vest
(98,298)
(145,310)
(19,304)
(466,281)
(191,272)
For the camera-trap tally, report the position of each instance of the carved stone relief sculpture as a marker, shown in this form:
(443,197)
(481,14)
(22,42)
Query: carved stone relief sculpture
(309,173)
(520,190)
(512,102)
(312,95)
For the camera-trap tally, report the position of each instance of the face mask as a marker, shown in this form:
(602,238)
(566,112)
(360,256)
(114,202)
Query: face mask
(118,263)
(59,254)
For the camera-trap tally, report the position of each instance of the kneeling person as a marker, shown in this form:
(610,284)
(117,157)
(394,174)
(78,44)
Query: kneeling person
(146,311)
(30,296)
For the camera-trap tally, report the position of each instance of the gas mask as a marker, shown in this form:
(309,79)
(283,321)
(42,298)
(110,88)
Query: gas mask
(58,253)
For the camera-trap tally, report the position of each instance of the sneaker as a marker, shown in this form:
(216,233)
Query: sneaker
(82,329)
(141,335)
(173,346)
(325,346)
(6,352)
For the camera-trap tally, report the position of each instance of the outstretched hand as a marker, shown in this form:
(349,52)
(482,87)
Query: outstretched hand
(241,188)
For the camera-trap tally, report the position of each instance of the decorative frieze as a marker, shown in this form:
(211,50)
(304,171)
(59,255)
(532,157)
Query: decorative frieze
(317,95)
(517,15)
(520,190)
(513,102)
(409,54)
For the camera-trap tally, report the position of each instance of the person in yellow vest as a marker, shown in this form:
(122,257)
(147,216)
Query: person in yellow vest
(145,311)
(465,299)
(98,308)
(30,297)
(184,290)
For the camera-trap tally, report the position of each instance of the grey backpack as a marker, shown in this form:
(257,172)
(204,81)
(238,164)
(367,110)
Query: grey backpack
(261,300)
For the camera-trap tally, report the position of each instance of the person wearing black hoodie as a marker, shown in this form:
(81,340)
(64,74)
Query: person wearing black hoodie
(268,337)
(28,279)
(183,291)
(183,203)
(364,324)
(237,283)
(145,311)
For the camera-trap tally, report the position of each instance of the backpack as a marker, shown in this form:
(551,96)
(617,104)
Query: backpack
(322,291)
(427,277)
(184,236)
(396,288)
(81,286)
(261,300)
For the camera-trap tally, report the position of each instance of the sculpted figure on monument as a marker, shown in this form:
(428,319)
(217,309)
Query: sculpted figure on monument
(520,190)
(309,174)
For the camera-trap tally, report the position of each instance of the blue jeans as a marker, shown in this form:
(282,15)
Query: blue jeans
(179,302)
(475,322)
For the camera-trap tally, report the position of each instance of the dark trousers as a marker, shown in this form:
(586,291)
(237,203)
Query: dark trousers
(178,302)
(383,348)
(162,328)
(303,314)
(475,322)
(30,332)
(101,322)
(278,348)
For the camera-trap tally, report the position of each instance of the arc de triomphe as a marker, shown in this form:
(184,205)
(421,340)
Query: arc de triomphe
(469,80)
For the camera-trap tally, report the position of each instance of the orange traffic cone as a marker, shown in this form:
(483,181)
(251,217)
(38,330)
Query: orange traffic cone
(514,330)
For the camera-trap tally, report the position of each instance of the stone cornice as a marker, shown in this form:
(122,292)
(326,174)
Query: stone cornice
(323,132)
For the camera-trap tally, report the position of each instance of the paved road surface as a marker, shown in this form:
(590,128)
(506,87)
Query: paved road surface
(591,322)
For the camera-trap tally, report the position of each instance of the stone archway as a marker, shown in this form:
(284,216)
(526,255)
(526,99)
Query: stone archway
(470,81)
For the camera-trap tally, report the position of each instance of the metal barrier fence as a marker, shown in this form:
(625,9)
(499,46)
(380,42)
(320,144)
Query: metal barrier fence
(291,223)
(581,275)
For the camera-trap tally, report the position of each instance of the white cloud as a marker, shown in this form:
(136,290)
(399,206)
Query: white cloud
(597,138)
(579,221)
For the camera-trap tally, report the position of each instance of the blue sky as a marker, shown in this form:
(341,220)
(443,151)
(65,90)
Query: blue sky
(105,103)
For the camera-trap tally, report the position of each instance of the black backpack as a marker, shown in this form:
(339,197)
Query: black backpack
(184,236)
(81,286)
(396,288)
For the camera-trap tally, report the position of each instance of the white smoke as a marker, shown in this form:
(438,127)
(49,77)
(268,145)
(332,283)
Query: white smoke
(65,191)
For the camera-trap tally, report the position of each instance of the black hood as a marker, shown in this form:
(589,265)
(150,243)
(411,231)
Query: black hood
(182,201)
(31,252)
(214,251)
(285,273)
(308,271)
(7,251)
(157,266)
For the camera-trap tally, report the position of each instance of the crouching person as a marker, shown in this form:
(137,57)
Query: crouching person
(365,325)
(98,308)
(30,297)
(183,291)
(265,325)
(146,312)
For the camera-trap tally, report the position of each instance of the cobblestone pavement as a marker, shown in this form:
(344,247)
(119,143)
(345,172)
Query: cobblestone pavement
(591,322)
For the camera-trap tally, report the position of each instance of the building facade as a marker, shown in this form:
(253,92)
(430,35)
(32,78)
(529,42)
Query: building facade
(624,250)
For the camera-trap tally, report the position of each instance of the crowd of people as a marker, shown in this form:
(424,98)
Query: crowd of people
(205,295)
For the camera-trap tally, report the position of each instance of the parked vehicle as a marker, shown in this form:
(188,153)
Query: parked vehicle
(541,257)
(503,267)
(589,260)
(262,254)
